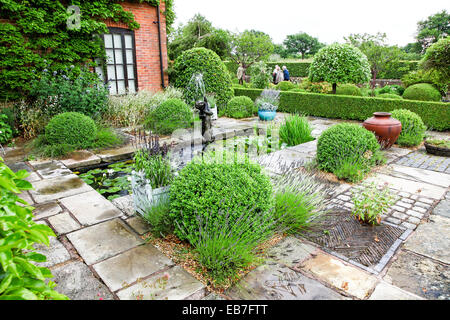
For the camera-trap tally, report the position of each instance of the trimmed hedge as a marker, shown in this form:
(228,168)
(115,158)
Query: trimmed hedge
(436,115)
(301,69)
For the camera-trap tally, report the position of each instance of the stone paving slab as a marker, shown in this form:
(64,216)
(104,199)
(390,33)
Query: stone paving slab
(308,147)
(274,282)
(280,161)
(56,253)
(421,159)
(420,275)
(290,251)
(46,210)
(59,187)
(25,195)
(125,204)
(339,275)
(385,291)
(90,208)
(81,159)
(104,240)
(418,175)
(63,223)
(116,154)
(175,284)
(443,208)
(432,239)
(138,224)
(420,188)
(126,268)
(393,153)
(52,169)
(77,281)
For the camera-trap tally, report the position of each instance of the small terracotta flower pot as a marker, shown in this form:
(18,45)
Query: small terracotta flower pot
(386,129)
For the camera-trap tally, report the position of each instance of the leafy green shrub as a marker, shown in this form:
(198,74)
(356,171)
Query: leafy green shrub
(389,96)
(435,115)
(10,118)
(348,89)
(220,190)
(71,128)
(340,63)
(208,63)
(343,141)
(426,76)
(436,58)
(392,89)
(285,86)
(20,278)
(315,87)
(370,202)
(172,114)
(239,107)
(6,132)
(295,130)
(413,128)
(70,90)
(260,75)
(422,92)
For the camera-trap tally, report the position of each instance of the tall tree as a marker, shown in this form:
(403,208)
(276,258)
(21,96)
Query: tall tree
(198,32)
(249,47)
(437,58)
(433,28)
(302,43)
(379,54)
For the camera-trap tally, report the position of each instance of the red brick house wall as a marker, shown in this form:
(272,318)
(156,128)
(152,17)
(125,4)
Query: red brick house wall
(147,44)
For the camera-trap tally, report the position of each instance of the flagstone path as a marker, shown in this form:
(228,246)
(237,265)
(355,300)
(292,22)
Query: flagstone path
(99,254)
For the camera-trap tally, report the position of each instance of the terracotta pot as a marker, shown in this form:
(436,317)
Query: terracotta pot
(386,129)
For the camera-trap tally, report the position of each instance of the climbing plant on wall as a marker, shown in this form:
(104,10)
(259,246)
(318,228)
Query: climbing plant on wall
(34,35)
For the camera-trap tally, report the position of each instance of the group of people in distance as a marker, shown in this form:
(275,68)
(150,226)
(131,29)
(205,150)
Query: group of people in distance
(278,74)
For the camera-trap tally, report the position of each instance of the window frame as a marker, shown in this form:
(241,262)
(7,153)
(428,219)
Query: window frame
(122,32)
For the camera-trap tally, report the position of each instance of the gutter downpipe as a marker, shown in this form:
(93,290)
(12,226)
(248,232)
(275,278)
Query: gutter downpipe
(160,48)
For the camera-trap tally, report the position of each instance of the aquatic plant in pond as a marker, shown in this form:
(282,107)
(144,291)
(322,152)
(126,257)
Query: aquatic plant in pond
(112,182)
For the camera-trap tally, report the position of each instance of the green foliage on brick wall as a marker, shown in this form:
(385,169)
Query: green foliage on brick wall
(436,115)
(34,34)
(301,69)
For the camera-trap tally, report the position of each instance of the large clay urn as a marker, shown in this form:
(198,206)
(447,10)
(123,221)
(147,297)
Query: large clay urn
(386,129)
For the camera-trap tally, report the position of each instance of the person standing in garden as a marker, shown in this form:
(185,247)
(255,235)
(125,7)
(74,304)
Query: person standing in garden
(241,74)
(280,76)
(275,73)
(287,77)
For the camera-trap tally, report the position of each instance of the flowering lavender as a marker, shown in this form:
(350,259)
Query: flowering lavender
(269,100)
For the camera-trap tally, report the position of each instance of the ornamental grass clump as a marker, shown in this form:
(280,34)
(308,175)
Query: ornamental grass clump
(370,202)
(295,130)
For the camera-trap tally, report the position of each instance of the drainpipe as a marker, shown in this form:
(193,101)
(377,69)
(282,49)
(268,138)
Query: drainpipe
(160,47)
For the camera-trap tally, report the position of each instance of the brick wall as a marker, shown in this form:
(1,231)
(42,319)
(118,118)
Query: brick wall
(147,44)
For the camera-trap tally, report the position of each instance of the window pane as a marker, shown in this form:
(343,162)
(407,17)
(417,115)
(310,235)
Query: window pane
(130,72)
(131,86)
(130,57)
(128,41)
(119,70)
(109,56)
(112,87)
(99,71)
(119,57)
(121,87)
(111,72)
(108,41)
(117,41)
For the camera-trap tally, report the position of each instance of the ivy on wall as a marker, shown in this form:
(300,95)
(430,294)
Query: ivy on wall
(34,36)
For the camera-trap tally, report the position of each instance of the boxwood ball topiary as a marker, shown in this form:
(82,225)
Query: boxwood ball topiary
(218,189)
(413,128)
(348,90)
(239,107)
(215,75)
(342,141)
(71,128)
(285,86)
(170,115)
(422,92)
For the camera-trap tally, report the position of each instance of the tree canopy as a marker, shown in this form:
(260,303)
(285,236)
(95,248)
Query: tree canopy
(250,46)
(433,28)
(302,43)
(437,58)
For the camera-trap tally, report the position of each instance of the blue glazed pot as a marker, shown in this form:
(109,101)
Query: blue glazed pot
(267,115)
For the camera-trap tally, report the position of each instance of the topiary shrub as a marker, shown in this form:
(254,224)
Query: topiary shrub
(345,141)
(239,107)
(389,96)
(170,115)
(413,128)
(285,86)
(215,75)
(221,191)
(348,90)
(422,92)
(71,128)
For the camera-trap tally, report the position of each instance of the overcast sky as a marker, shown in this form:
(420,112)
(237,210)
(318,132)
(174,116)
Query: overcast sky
(329,20)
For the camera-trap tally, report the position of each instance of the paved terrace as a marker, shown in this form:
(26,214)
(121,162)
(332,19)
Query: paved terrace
(99,254)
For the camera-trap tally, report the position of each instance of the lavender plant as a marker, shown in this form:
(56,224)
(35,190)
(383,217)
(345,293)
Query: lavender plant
(269,100)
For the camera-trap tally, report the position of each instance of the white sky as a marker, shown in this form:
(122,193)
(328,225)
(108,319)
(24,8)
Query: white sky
(329,20)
